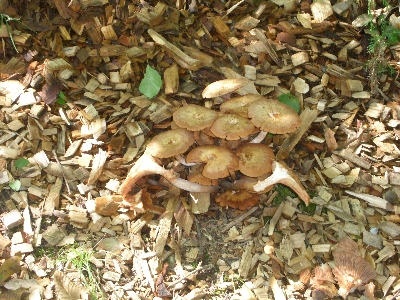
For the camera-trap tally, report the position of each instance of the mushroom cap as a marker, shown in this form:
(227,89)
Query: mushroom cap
(255,159)
(239,105)
(219,160)
(194,117)
(237,199)
(170,143)
(273,116)
(201,179)
(232,127)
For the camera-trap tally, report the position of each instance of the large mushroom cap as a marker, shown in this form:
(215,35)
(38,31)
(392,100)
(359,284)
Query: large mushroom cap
(170,143)
(194,117)
(255,159)
(232,127)
(239,105)
(219,160)
(273,116)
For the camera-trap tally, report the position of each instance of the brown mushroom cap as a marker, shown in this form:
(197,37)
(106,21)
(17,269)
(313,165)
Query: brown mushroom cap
(273,116)
(239,105)
(170,143)
(194,117)
(237,199)
(201,179)
(255,159)
(219,160)
(232,127)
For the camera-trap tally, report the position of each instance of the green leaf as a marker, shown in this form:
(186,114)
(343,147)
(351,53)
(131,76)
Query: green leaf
(291,101)
(15,185)
(21,162)
(151,83)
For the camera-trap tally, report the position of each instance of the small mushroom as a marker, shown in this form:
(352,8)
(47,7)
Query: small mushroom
(273,116)
(170,143)
(255,159)
(220,161)
(147,165)
(239,105)
(194,117)
(237,199)
(284,176)
(351,270)
(232,127)
(201,179)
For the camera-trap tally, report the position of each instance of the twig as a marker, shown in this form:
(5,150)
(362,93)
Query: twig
(62,171)
(198,269)
(239,219)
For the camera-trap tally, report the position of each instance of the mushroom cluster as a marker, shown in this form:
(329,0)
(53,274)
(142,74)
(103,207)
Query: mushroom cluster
(217,144)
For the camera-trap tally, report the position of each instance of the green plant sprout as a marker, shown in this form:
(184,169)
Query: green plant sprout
(4,20)
(61,99)
(383,35)
(80,258)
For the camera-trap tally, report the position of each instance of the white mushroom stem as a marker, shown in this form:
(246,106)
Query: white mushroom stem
(260,137)
(146,165)
(281,175)
(182,161)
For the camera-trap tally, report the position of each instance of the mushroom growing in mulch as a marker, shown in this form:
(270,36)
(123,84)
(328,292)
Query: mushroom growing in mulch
(255,159)
(194,117)
(239,105)
(273,116)
(220,161)
(170,143)
(232,127)
(237,199)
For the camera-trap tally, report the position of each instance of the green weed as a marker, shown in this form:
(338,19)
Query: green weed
(4,20)
(79,257)
(283,192)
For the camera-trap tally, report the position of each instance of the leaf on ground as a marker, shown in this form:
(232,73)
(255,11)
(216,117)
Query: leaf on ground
(15,185)
(110,244)
(151,83)
(10,266)
(291,101)
(21,162)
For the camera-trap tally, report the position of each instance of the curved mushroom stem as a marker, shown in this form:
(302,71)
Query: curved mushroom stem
(282,175)
(260,137)
(182,161)
(147,165)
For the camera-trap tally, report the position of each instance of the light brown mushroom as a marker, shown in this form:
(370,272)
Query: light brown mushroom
(170,143)
(220,161)
(201,179)
(283,175)
(351,270)
(237,199)
(239,105)
(224,86)
(255,159)
(147,165)
(273,116)
(194,117)
(232,127)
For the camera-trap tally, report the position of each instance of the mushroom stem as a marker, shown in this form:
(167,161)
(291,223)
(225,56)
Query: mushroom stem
(282,175)
(260,137)
(182,161)
(146,165)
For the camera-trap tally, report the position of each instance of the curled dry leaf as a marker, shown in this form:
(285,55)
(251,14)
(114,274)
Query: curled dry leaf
(237,199)
(225,86)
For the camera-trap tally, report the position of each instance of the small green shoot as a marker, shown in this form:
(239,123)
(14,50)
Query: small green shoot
(15,185)
(309,210)
(151,83)
(61,99)
(80,257)
(4,20)
(21,162)
(291,101)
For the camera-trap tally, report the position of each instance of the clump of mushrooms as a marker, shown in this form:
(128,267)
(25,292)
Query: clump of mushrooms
(217,135)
